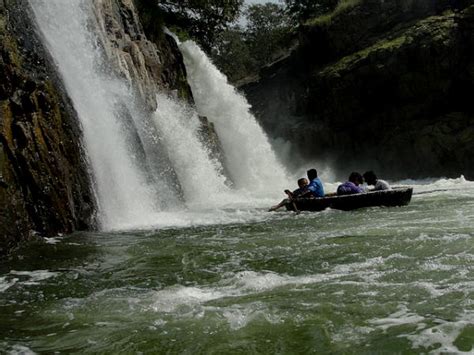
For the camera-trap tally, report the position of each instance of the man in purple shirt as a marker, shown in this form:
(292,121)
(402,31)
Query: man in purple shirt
(352,186)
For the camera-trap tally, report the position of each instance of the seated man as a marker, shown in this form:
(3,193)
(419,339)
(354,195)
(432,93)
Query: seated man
(303,189)
(352,186)
(315,187)
(379,185)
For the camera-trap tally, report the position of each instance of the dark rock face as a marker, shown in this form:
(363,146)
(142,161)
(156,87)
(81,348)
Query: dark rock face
(44,183)
(170,74)
(393,95)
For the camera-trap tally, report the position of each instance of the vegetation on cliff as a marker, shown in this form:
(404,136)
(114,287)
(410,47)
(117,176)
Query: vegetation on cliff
(242,50)
(199,19)
(385,83)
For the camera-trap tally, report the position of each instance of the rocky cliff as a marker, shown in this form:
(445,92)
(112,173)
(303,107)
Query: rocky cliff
(45,185)
(151,61)
(44,182)
(384,85)
(138,46)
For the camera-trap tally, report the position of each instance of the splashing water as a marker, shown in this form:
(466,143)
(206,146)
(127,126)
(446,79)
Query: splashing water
(123,189)
(130,188)
(377,280)
(200,176)
(252,163)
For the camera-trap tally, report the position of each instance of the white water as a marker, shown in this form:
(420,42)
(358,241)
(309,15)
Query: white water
(130,190)
(123,192)
(200,176)
(251,161)
(128,198)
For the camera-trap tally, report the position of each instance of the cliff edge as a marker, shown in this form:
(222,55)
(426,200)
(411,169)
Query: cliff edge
(381,85)
(44,182)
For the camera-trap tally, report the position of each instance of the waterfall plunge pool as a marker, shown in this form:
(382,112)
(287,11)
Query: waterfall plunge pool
(397,280)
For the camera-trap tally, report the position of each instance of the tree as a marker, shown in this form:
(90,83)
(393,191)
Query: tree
(202,19)
(232,54)
(268,31)
(302,10)
(264,34)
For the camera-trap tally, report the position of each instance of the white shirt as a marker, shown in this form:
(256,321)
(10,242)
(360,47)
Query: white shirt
(381,185)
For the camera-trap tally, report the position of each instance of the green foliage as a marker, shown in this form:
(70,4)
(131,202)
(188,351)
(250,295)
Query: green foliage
(302,10)
(242,50)
(268,31)
(203,19)
(233,56)
(325,19)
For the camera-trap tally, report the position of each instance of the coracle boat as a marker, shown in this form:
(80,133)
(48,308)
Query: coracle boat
(388,198)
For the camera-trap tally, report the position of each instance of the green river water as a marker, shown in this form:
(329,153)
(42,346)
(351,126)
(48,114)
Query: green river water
(372,281)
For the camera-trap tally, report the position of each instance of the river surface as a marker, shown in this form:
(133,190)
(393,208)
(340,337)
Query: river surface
(242,280)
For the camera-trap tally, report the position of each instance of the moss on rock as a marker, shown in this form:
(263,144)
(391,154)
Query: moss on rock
(392,90)
(44,184)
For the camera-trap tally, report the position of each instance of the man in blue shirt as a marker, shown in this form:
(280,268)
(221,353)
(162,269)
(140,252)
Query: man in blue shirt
(315,186)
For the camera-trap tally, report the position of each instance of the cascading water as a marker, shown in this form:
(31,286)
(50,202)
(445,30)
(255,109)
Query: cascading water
(103,102)
(251,161)
(201,177)
(127,160)
(394,280)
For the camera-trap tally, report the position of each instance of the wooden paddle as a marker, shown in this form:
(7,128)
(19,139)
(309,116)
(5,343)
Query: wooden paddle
(290,197)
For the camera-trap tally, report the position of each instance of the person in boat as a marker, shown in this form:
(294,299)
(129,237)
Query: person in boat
(379,184)
(315,187)
(352,186)
(301,190)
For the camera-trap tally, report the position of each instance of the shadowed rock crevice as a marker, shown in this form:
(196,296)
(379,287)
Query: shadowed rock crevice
(391,94)
(45,185)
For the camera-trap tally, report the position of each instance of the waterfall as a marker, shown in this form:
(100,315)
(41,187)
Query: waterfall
(156,169)
(201,177)
(104,104)
(251,160)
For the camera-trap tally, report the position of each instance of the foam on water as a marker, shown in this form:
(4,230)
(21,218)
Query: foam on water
(232,285)
(249,282)
(33,277)
(18,349)
(227,213)
(362,285)
(443,334)
(129,196)
(24,278)
(401,317)
(53,240)
(6,283)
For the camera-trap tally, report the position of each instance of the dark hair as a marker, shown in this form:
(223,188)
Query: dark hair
(370,176)
(356,177)
(312,174)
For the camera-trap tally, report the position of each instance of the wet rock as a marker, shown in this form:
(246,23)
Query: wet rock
(44,183)
(151,66)
(150,60)
(391,95)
